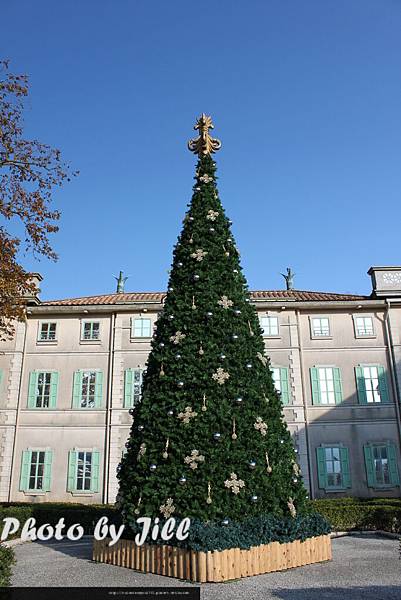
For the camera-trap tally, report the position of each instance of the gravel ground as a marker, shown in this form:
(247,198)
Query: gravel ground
(363,568)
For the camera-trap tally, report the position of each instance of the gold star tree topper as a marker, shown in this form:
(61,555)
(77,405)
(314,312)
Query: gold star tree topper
(204,143)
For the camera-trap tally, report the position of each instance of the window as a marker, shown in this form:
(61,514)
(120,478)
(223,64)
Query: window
(381,465)
(371,384)
(333,467)
(88,389)
(132,387)
(47,332)
(326,385)
(42,389)
(141,328)
(320,327)
(280,379)
(90,330)
(36,470)
(269,326)
(363,326)
(83,471)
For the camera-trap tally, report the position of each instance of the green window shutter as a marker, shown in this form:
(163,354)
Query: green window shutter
(314,376)
(32,387)
(285,392)
(47,470)
(25,468)
(77,390)
(345,472)
(360,385)
(53,390)
(99,389)
(128,388)
(321,467)
(72,471)
(95,471)
(392,463)
(370,470)
(1,377)
(383,384)
(338,388)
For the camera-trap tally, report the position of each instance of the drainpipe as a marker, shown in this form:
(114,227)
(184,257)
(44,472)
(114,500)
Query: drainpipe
(107,441)
(18,412)
(393,370)
(308,446)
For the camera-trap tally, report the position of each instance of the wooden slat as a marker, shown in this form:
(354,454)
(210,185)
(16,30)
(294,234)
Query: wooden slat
(202,572)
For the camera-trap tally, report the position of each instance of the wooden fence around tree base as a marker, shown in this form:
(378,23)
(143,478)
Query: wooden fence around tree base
(213,566)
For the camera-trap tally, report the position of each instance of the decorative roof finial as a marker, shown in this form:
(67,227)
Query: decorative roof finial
(120,283)
(204,144)
(289,278)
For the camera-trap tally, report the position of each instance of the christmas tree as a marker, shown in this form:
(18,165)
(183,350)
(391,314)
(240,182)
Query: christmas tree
(208,440)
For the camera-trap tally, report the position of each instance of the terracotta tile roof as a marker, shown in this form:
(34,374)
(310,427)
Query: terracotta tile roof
(138,297)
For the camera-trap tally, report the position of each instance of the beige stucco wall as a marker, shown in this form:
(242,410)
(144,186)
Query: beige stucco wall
(107,429)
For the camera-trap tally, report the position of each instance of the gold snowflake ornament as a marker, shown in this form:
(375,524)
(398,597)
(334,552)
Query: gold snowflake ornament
(187,415)
(199,254)
(212,215)
(224,302)
(194,459)
(206,178)
(221,376)
(168,508)
(234,483)
(260,425)
(177,337)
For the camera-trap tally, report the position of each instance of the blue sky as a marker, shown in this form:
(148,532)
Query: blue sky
(305,97)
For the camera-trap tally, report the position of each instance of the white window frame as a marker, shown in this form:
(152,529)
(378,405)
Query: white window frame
(83,490)
(375,392)
(46,341)
(277,327)
(90,340)
(324,381)
(315,336)
(36,489)
(141,337)
(89,372)
(363,335)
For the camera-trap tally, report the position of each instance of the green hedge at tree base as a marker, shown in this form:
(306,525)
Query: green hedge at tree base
(6,562)
(254,531)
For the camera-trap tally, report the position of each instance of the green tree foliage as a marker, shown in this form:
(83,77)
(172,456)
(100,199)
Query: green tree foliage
(208,391)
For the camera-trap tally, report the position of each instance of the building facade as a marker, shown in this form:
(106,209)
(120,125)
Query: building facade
(73,370)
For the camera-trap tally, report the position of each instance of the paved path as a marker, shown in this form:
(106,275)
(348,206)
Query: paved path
(363,568)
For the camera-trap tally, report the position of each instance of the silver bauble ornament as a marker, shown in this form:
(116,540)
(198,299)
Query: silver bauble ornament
(170,413)
(237,312)
(140,428)
(217,436)
(225,522)
(180,384)
(239,400)
(254,499)
(209,314)
(182,480)
(179,264)
(222,356)
(153,467)
(249,365)
(234,336)
(196,277)
(178,356)
(252,464)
